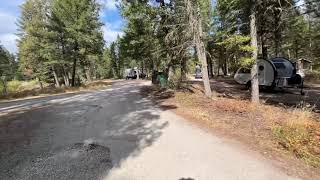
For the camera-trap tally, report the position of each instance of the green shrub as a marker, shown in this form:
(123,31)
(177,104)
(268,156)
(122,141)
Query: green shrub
(18,86)
(14,86)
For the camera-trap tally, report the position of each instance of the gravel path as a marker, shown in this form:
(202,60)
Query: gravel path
(116,134)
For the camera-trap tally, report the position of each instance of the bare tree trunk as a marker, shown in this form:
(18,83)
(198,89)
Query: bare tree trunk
(296,49)
(277,32)
(40,83)
(88,75)
(138,75)
(74,66)
(196,22)
(170,72)
(310,41)
(262,34)
(210,63)
(65,77)
(226,68)
(254,44)
(218,73)
(74,72)
(56,79)
(183,69)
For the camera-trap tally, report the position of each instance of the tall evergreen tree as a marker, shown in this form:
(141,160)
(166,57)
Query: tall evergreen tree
(8,68)
(81,32)
(32,43)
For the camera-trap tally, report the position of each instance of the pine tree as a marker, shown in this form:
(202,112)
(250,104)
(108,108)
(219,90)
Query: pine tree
(8,68)
(32,43)
(77,33)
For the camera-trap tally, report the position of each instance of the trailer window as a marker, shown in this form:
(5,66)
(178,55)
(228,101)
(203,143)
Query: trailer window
(279,65)
(261,68)
(244,71)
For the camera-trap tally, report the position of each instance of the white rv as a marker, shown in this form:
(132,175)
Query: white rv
(277,72)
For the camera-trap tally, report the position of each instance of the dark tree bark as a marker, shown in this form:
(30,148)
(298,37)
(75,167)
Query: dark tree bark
(277,32)
(74,66)
(262,34)
(183,69)
(210,63)
(74,72)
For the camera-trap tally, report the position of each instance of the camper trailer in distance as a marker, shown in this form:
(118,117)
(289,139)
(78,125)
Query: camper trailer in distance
(134,73)
(277,72)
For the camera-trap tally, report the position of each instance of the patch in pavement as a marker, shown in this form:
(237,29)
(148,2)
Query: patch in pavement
(81,161)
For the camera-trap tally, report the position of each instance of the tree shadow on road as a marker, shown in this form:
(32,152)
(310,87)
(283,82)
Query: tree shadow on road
(120,119)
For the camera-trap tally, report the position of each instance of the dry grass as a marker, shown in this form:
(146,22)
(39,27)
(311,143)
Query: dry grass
(313,77)
(36,91)
(293,131)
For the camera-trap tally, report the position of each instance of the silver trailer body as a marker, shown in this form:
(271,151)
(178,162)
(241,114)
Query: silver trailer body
(130,74)
(266,72)
(277,72)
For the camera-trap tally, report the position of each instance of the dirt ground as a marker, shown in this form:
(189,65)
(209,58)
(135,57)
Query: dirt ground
(239,123)
(279,97)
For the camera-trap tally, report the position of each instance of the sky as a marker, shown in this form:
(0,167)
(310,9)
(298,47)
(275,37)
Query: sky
(10,12)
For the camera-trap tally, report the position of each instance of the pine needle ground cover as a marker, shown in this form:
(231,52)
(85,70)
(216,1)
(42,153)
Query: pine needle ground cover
(289,136)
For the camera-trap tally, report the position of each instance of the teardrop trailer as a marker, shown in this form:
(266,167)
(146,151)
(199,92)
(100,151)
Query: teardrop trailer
(275,73)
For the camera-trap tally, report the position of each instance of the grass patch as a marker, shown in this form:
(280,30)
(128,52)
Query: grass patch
(21,89)
(18,86)
(299,133)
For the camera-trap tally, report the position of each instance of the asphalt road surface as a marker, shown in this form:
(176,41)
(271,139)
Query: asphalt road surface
(116,134)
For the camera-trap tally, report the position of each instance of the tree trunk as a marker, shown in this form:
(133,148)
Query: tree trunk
(296,49)
(74,72)
(56,79)
(138,75)
(226,68)
(254,44)
(40,83)
(277,32)
(264,49)
(196,22)
(210,62)
(183,69)
(88,74)
(65,77)
(76,49)
(218,73)
(262,35)
(170,72)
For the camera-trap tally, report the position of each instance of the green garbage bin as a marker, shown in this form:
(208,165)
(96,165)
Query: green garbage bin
(162,79)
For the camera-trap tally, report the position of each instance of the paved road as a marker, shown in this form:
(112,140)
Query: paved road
(116,134)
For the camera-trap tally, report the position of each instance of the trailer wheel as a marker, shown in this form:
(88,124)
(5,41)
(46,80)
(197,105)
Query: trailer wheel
(248,85)
(301,91)
(272,87)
